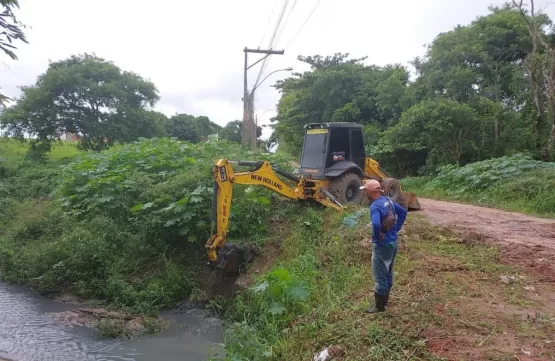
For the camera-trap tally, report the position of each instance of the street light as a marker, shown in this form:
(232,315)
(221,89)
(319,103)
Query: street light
(252,125)
(275,71)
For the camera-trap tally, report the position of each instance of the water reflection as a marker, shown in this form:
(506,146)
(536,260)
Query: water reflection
(28,333)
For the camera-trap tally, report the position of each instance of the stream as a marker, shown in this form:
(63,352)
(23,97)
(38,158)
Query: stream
(29,333)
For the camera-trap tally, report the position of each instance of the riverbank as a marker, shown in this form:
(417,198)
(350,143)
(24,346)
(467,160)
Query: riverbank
(126,226)
(455,296)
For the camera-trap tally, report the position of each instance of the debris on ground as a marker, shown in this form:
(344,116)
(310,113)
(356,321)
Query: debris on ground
(351,220)
(329,353)
(508,279)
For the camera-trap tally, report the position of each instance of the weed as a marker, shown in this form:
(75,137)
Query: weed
(111,328)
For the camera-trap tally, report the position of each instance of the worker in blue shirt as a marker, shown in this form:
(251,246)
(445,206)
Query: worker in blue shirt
(387,219)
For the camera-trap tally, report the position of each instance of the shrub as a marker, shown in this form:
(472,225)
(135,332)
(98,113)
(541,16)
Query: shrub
(516,183)
(128,224)
(487,173)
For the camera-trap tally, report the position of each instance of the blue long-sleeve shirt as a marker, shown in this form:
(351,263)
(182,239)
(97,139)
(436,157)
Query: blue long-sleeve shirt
(379,209)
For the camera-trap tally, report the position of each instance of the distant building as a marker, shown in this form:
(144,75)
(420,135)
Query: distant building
(70,137)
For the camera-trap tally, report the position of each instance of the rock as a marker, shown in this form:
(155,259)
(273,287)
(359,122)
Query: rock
(508,279)
(530,288)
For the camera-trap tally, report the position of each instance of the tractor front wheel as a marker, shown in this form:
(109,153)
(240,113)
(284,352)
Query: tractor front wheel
(346,189)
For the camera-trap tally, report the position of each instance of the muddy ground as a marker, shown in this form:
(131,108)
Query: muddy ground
(500,319)
(504,228)
(526,241)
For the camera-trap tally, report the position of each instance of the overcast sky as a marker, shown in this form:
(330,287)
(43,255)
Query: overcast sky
(193,49)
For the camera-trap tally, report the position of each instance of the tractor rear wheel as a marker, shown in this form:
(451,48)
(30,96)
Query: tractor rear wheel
(392,189)
(346,189)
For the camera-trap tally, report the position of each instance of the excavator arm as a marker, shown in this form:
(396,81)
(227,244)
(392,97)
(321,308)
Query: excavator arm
(262,174)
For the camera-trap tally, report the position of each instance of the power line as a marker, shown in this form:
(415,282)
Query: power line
(302,26)
(270,45)
(275,43)
(268,23)
(285,23)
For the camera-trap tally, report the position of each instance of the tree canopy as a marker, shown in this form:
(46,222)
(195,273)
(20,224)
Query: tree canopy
(233,131)
(473,96)
(191,128)
(10,31)
(90,97)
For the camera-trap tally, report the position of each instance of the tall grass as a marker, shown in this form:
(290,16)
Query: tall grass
(315,295)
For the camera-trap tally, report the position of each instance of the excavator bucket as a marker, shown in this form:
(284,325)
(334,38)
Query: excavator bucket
(411,201)
(233,257)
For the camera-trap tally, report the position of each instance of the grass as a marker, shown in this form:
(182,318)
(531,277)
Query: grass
(315,294)
(13,151)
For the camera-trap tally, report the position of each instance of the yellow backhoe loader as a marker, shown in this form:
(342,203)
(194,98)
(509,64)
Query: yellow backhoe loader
(333,167)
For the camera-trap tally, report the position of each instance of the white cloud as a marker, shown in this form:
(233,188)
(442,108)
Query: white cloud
(193,50)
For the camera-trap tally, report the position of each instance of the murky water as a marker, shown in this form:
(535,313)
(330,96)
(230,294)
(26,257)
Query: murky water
(28,333)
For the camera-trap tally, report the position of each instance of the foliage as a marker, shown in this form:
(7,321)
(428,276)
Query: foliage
(515,182)
(190,128)
(10,30)
(88,96)
(339,90)
(233,132)
(127,224)
(472,97)
(444,127)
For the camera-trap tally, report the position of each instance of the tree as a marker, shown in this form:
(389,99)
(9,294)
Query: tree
(190,128)
(233,131)
(339,90)
(10,30)
(88,96)
(540,69)
(447,129)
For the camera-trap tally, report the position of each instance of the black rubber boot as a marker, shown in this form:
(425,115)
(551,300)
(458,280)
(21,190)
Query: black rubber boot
(386,299)
(380,304)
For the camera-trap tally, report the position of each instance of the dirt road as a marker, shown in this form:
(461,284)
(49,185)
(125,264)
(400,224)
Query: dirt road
(498,226)
(525,241)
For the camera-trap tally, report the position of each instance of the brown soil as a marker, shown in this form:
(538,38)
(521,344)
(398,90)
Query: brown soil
(506,228)
(525,241)
(512,314)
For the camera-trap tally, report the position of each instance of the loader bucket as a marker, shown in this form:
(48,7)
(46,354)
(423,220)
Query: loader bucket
(411,201)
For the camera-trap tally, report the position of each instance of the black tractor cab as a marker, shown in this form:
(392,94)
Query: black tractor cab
(332,149)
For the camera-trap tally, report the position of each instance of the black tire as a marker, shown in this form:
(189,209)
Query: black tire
(346,189)
(392,189)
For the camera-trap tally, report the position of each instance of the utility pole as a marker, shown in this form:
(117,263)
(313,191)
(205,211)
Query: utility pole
(249,126)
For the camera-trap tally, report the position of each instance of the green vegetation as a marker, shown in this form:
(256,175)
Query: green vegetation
(315,295)
(10,31)
(127,225)
(14,152)
(515,183)
(471,99)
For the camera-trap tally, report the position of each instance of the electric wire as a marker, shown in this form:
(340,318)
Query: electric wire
(270,45)
(302,26)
